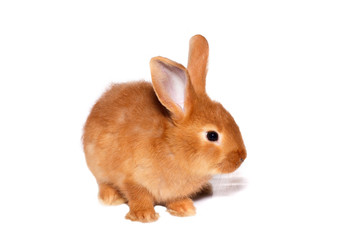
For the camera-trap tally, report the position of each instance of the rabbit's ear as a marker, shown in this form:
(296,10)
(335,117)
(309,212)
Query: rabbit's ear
(197,62)
(171,84)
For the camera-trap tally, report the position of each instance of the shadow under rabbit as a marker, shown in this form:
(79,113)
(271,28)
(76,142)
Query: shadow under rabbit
(221,185)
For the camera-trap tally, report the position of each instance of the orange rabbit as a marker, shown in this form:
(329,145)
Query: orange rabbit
(161,143)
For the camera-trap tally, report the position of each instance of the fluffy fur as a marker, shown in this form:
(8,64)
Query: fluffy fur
(146,143)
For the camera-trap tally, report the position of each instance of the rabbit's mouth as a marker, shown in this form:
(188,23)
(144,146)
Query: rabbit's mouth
(232,161)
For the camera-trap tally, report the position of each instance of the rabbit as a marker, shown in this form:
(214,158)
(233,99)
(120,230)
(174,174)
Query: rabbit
(160,143)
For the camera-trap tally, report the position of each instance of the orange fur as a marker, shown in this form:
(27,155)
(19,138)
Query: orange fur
(197,62)
(143,148)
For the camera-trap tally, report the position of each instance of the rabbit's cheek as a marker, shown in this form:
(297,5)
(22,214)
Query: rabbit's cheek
(231,162)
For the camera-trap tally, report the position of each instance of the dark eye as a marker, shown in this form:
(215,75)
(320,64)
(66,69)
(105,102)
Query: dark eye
(212,136)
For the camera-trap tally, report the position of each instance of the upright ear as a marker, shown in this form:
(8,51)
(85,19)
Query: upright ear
(171,84)
(197,62)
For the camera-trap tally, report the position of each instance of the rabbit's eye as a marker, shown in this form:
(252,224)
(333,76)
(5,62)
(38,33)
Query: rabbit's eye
(212,136)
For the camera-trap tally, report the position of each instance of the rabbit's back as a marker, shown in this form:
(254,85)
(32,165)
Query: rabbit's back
(123,123)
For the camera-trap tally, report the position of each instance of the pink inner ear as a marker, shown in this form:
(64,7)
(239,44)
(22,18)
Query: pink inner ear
(174,83)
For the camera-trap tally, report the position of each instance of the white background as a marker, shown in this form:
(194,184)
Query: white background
(288,71)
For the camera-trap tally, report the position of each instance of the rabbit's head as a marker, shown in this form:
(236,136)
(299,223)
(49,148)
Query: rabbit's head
(204,134)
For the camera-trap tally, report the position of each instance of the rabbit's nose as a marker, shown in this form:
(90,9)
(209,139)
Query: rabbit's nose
(242,154)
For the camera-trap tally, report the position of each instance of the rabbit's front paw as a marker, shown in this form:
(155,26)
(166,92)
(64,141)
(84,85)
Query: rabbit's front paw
(181,208)
(143,215)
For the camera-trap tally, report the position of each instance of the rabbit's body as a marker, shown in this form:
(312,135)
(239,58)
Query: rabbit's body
(129,136)
(160,143)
